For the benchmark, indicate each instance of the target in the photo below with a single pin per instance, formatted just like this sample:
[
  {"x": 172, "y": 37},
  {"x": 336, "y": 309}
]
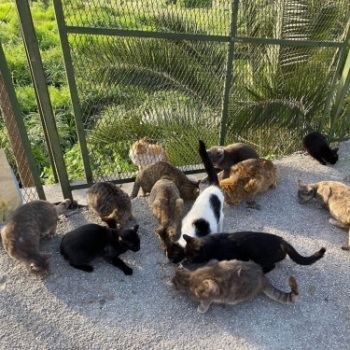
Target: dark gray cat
[
  {"x": 229, "y": 282},
  {"x": 224, "y": 157}
]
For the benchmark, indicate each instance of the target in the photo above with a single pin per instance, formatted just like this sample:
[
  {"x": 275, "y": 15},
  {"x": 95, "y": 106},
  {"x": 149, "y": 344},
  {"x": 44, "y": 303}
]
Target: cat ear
[
  {"x": 210, "y": 285},
  {"x": 180, "y": 267},
  {"x": 171, "y": 231},
  {"x": 158, "y": 231},
  {"x": 187, "y": 238},
  {"x": 144, "y": 138},
  {"x": 335, "y": 150},
  {"x": 300, "y": 183},
  {"x": 135, "y": 228},
  {"x": 170, "y": 283}
]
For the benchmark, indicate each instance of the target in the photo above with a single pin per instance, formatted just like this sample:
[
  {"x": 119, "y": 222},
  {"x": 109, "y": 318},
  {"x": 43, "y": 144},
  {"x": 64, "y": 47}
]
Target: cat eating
[
  {"x": 91, "y": 241},
  {"x": 110, "y": 203},
  {"x": 146, "y": 179},
  {"x": 265, "y": 249},
  {"x": 167, "y": 207},
  {"x": 247, "y": 178},
  {"x": 142, "y": 153},
  {"x": 332, "y": 195},
  {"x": 316, "y": 145},
  {"x": 26, "y": 227},
  {"x": 206, "y": 215},
  {"x": 229, "y": 282}
]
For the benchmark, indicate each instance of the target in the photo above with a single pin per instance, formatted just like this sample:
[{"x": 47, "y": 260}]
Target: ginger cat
[
  {"x": 143, "y": 153},
  {"x": 167, "y": 206},
  {"x": 247, "y": 178},
  {"x": 229, "y": 282},
  {"x": 332, "y": 195}
]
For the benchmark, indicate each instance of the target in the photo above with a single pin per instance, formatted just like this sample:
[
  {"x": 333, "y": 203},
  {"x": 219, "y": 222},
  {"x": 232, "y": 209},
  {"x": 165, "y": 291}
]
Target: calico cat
[
  {"x": 229, "y": 282},
  {"x": 146, "y": 178},
  {"x": 110, "y": 203},
  {"x": 224, "y": 157},
  {"x": 28, "y": 224},
  {"x": 206, "y": 215},
  {"x": 265, "y": 249},
  {"x": 316, "y": 145},
  {"x": 88, "y": 242},
  {"x": 167, "y": 206},
  {"x": 332, "y": 195},
  {"x": 142, "y": 153},
  {"x": 247, "y": 178}
]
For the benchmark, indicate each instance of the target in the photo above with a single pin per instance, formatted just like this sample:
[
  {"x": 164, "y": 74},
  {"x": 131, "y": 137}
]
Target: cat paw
[
  {"x": 128, "y": 271},
  {"x": 346, "y": 247}
]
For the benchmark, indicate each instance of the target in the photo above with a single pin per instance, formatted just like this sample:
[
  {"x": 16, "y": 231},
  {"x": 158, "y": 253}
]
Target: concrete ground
[{"x": 73, "y": 309}]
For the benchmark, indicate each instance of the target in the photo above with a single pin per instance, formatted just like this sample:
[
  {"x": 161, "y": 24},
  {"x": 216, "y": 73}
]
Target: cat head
[
  {"x": 181, "y": 279},
  {"x": 193, "y": 251},
  {"x": 333, "y": 156},
  {"x": 191, "y": 189},
  {"x": 129, "y": 239},
  {"x": 175, "y": 252},
  {"x": 166, "y": 235},
  {"x": 40, "y": 266},
  {"x": 140, "y": 145},
  {"x": 216, "y": 154},
  {"x": 305, "y": 192}
]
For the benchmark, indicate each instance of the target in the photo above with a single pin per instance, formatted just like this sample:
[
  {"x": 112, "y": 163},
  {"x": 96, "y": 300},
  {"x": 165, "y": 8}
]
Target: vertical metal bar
[
  {"x": 39, "y": 81},
  {"x": 227, "y": 85},
  {"x": 6, "y": 75},
  {"x": 342, "y": 53},
  {"x": 73, "y": 89}
]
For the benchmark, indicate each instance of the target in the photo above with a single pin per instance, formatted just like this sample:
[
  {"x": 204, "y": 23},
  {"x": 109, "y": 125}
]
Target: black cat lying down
[
  {"x": 88, "y": 242},
  {"x": 265, "y": 249}
]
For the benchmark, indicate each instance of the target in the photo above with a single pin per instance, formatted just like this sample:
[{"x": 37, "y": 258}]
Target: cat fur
[
  {"x": 205, "y": 216},
  {"x": 247, "y": 178},
  {"x": 88, "y": 242},
  {"x": 229, "y": 282},
  {"x": 143, "y": 153},
  {"x": 147, "y": 177},
  {"x": 333, "y": 195},
  {"x": 224, "y": 157},
  {"x": 30, "y": 223},
  {"x": 167, "y": 207},
  {"x": 265, "y": 249},
  {"x": 316, "y": 145},
  {"x": 110, "y": 203}
]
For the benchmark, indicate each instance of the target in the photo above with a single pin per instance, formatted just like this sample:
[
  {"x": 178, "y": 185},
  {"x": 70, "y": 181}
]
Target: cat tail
[
  {"x": 209, "y": 167},
  {"x": 280, "y": 296},
  {"x": 299, "y": 259}
]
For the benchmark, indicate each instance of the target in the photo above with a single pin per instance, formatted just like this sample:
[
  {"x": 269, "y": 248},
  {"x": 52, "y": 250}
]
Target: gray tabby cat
[
  {"x": 27, "y": 225},
  {"x": 229, "y": 282},
  {"x": 110, "y": 203},
  {"x": 332, "y": 195}
]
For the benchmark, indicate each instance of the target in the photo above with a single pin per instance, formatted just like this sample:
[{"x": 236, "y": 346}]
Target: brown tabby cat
[
  {"x": 332, "y": 195},
  {"x": 248, "y": 178},
  {"x": 27, "y": 225},
  {"x": 143, "y": 153},
  {"x": 167, "y": 207},
  {"x": 110, "y": 203},
  {"x": 229, "y": 282},
  {"x": 146, "y": 178}
]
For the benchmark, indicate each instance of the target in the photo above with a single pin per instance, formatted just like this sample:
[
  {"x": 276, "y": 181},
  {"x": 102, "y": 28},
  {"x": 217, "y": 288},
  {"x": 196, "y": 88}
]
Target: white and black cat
[
  {"x": 316, "y": 145},
  {"x": 88, "y": 242},
  {"x": 266, "y": 249},
  {"x": 206, "y": 215}
]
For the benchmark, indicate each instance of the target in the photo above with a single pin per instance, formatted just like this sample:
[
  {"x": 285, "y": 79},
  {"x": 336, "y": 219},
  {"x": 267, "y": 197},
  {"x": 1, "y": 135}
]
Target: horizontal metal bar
[{"x": 198, "y": 37}]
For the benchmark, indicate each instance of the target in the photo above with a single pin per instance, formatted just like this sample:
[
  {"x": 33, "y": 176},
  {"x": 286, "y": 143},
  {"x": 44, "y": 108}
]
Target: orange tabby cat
[
  {"x": 143, "y": 153},
  {"x": 248, "y": 178}
]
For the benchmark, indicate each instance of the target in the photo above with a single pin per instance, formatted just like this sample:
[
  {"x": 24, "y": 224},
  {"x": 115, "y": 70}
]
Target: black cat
[
  {"x": 265, "y": 249},
  {"x": 88, "y": 242},
  {"x": 316, "y": 145}
]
